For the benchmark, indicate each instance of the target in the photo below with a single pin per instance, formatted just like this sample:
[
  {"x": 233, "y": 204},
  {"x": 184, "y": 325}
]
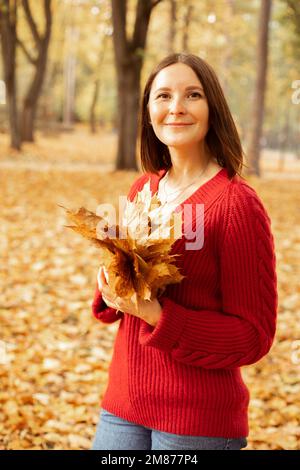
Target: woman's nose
[{"x": 177, "y": 106}]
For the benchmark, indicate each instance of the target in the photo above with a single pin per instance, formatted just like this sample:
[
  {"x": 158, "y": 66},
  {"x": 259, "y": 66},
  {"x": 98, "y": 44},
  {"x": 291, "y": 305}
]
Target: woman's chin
[{"x": 179, "y": 143}]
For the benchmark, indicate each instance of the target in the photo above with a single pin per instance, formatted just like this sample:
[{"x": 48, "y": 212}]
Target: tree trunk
[
  {"x": 186, "y": 29},
  {"x": 172, "y": 26},
  {"x": 129, "y": 94},
  {"x": 72, "y": 36},
  {"x": 32, "y": 97},
  {"x": 15, "y": 135},
  {"x": 40, "y": 63},
  {"x": 97, "y": 85},
  {"x": 8, "y": 23},
  {"x": 284, "y": 141},
  {"x": 260, "y": 88},
  {"x": 227, "y": 51},
  {"x": 93, "y": 106},
  {"x": 129, "y": 55}
]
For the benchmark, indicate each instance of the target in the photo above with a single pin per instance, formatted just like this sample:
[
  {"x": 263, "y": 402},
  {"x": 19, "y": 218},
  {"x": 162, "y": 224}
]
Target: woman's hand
[{"x": 149, "y": 310}]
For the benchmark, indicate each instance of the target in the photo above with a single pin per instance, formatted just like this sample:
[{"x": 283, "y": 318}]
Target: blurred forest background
[{"x": 71, "y": 77}]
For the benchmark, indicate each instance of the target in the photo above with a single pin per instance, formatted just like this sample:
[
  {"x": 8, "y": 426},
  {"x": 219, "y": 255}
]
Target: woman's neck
[{"x": 179, "y": 174}]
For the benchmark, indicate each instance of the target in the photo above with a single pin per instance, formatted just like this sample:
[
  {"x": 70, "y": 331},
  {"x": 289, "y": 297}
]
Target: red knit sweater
[{"x": 183, "y": 375}]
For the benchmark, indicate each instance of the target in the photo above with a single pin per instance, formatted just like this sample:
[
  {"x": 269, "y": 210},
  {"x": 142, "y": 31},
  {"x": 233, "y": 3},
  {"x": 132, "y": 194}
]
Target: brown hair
[{"x": 222, "y": 137}]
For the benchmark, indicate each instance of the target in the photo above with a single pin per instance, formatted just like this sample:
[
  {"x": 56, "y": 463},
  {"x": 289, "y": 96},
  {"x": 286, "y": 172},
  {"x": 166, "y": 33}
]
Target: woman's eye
[
  {"x": 162, "y": 95},
  {"x": 165, "y": 95}
]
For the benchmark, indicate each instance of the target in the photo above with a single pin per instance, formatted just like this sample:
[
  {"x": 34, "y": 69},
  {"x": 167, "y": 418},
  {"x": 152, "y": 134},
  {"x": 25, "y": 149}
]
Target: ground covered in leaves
[{"x": 55, "y": 355}]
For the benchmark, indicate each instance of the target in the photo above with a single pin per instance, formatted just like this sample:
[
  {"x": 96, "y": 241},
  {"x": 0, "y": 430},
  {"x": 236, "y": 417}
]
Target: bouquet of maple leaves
[{"x": 136, "y": 254}]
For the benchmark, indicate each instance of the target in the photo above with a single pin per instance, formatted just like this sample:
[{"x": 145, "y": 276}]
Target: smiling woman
[
  {"x": 175, "y": 380},
  {"x": 180, "y": 116},
  {"x": 183, "y": 90}
]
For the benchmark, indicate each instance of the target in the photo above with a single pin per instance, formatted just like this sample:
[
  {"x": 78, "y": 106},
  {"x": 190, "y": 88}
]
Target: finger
[
  {"x": 106, "y": 292},
  {"x": 99, "y": 279},
  {"x": 107, "y": 295},
  {"x": 108, "y": 302},
  {"x": 105, "y": 274},
  {"x": 120, "y": 302}
]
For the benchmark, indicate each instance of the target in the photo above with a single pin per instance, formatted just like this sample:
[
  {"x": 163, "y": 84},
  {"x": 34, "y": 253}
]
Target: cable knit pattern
[{"x": 183, "y": 375}]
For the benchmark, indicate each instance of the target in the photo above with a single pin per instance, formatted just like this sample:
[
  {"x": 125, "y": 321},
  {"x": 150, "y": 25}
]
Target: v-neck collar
[{"x": 206, "y": 193}]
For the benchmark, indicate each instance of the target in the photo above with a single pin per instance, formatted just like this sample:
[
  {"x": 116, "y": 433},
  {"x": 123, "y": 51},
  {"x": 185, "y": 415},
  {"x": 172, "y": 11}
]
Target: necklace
[{"x": 183, "y": 189}]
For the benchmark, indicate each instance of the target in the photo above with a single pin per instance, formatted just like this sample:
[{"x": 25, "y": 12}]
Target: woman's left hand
[{"x": 149, "y": 310}]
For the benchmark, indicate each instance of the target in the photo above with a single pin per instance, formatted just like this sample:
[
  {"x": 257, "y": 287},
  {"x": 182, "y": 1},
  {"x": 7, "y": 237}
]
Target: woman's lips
[{"x": 179, "y": 124}]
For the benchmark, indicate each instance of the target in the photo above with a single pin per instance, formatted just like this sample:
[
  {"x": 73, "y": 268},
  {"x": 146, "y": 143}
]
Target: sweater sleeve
[
  {"x": 243, "y": 331},
  {"x": 99, "y": 308},
  {"x": 101, "y": 311}
]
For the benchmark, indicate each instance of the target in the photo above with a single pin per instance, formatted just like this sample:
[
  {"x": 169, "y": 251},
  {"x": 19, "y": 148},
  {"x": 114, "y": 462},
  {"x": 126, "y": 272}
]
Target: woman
[{"x": 175, "y": 379}]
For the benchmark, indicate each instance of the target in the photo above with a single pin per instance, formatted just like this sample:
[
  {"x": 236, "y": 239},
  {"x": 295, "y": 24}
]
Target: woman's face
[{"x": 177, "y": 96}]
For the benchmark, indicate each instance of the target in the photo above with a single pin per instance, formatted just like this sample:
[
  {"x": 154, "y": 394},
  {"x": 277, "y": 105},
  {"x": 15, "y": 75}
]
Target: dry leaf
[{"x": 137, "y": 260}]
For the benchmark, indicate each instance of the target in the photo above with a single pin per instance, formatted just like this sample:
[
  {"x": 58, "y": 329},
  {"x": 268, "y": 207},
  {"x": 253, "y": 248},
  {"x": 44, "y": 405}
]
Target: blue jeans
[{"x": 114, "y": 433}]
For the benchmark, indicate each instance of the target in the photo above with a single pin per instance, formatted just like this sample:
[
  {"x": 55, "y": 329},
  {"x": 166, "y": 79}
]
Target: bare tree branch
[
  {"x": 48, "y": 16},
  {"x": 40, "y": 50},
  {"x": 154, "y": 3},
  {"x": 31, "y": 59},
  {"x": 31, "y": 22},
  {"x": 143, "y": 12}
]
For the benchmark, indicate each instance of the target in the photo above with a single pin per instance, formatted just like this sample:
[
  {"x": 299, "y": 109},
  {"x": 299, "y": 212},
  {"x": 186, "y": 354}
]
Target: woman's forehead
[{"x": 176, "y": 76}]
